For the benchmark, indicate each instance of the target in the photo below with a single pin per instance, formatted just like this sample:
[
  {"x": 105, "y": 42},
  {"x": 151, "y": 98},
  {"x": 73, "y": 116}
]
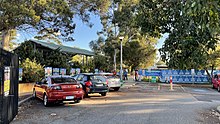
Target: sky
[{"x": 83, "y": 34}]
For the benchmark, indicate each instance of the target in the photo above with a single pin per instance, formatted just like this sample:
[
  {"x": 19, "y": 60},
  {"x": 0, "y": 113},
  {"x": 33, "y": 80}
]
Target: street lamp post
[{"x": 121, "y": 38}]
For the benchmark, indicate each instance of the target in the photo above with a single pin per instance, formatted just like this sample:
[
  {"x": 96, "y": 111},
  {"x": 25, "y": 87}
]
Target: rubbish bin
[{"x": 154, "y": 79}]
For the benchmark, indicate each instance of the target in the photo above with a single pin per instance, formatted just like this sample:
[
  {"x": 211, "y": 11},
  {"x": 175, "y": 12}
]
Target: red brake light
[
  {"x": 107, "y": 82},
  {"x": 88, "y": 83}
]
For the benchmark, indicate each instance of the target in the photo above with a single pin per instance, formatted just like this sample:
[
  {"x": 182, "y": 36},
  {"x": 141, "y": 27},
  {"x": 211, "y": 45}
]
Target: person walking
[
  {"x": 125, "y": 74},
  {"x": 136, "y": 75}
]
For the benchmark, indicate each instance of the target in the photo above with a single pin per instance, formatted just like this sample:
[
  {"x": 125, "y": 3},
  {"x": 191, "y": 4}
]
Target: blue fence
[{"x": 178, "y": 76}]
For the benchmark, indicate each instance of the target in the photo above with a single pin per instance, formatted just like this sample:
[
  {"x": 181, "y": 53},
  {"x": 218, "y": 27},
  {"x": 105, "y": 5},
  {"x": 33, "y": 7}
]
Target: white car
[{"x": 113, "y": 81}]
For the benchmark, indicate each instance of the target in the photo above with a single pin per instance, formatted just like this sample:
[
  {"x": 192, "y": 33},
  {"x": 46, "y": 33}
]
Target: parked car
[
  {"x": 92, "y": 84},
  {"x": 113, "y": 81},
  {"x": 58, "y": 89},
  {"x": 216, "y": 82}
]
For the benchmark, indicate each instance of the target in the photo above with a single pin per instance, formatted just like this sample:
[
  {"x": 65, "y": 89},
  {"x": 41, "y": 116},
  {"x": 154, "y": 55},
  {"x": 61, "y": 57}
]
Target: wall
[{"x": 25, "y": 88}]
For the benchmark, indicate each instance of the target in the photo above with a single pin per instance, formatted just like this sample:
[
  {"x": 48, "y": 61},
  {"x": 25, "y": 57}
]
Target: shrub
[{"x": 32, "y": 71}]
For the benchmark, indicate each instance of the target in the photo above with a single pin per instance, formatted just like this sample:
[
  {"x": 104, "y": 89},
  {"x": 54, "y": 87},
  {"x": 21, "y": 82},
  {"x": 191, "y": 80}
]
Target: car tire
[
  {"x": 116, "y": 88},
  {"x": 213, "y": 87},
  {"x": 103, "y": 94},
  {"x": 77, "y": 101},
  {"x": 218, "y": 88},
  {"x": 34, "y": 94},
  {"x": 45, "y": 101}
]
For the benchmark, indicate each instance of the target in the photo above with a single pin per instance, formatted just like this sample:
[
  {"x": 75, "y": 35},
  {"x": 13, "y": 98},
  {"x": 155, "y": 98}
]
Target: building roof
[{"x": 66, "y": 49}]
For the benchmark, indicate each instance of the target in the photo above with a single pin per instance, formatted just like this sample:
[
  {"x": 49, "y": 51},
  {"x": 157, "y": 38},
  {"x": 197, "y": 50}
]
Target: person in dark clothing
[
  {"x": 125, "y": 75},
  {"x": 136, "y": 75}
]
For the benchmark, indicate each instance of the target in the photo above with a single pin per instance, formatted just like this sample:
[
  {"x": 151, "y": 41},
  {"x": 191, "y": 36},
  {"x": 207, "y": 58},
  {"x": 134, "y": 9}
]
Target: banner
[
  {"x": 62, "y": 71},
  {"x": 56, "y": 71}
]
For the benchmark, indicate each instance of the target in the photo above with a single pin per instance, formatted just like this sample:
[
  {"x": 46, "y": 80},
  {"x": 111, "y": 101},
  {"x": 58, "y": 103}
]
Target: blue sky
[{"x": 83, "y": 34}]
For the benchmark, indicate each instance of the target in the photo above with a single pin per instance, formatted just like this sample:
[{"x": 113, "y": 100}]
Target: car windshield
[
  {"x": 101, "y": 78},
  {"x": 63, "y": 80}
]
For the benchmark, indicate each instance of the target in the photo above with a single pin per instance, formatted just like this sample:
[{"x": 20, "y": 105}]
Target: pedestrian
[
  {"x": 114, "y": 73},
  {"x": 136, "y": 75},
  {"x": 125, "y": 75}
]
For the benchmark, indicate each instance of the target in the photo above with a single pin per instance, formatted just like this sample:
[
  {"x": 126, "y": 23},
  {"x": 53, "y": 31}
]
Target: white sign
[{"x": 193, "y": 71}]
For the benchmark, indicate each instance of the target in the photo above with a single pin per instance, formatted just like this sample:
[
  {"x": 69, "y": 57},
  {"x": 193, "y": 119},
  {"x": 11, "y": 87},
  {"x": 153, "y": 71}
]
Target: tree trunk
[
  {"x": 210, "y": 75},
  {"x": 5, "y": 40}
]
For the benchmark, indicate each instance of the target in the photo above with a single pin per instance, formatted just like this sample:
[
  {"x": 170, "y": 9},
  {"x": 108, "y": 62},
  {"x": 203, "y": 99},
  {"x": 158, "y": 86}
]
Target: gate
[{"x": 8, "y": 86}]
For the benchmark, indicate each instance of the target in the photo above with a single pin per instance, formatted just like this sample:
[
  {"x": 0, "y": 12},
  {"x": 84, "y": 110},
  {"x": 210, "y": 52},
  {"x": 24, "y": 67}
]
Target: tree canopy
[{"x": 51, "y": 18}]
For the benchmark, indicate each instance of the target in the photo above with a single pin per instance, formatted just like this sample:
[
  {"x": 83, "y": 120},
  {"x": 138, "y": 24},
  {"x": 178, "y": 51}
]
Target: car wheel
[
  {"x": 34, "y": 94},
  {"x": 116, "y": 88},
  {"x": 218, "y": 88},
  {"x": 213, "y": 87},
  {"x": 46, "y": 103},
  {"x": 77, "y": 101},
  {"x": 103, "y": 94}
]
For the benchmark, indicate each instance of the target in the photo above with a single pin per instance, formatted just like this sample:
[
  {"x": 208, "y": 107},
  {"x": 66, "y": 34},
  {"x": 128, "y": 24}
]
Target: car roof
[
  {"x": 61, "y": 76},
  {"x": 87, "y": 73},
  {"x": 104, "y": 73}
]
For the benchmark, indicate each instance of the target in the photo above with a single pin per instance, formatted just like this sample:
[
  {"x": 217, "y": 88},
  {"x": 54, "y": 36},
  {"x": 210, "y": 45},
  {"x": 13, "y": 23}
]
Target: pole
[
  {"x": 121, "y": 61},
  {"x": 115, "y": 60},
  {"x": 171, "y": 83}
]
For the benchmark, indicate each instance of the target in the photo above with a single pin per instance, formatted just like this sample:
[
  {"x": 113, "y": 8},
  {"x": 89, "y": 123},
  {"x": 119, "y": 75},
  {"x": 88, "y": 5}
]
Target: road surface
[{"x": 134, "y": 104}]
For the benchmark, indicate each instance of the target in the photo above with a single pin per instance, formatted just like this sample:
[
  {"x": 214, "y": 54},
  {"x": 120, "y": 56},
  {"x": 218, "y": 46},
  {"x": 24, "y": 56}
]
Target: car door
[
  {"x": 42, "y": 88},
  {"x": 215, "y": 81}
]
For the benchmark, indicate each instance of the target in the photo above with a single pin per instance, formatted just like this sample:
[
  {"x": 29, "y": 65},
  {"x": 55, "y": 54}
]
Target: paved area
[{"x": 142, "y": 103}]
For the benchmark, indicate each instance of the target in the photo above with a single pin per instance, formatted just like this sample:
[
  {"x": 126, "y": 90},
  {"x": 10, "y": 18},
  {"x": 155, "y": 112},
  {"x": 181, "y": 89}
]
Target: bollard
[
  {"x": 158, "y": 88},
  {"x": 171, "y": 83}
]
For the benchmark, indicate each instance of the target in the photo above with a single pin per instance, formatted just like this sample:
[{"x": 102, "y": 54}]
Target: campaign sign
[
  {"x": 181, "y": 72},
  {"x": 188, "y": 72},
  {"x": 140, "y": 72},
  {"x": 180, "y": 79},
  {"x": 48, "y": 71},
  {"x": 200, "y": 72},
  {"x": 72, "y": 71},
  {"x": 62, "y": 71},
  {"x": 56, "y": 71},
  {"x": 174, "y": 79},
  {"x": 164, "y": 72},
  {"x": 20, "y": 74},
  {"x": 78, "y": 71},
  {"x": 143, "y": 72},
  {"x": 175, "y": 72},
  {"x": 170, "y": 72}
]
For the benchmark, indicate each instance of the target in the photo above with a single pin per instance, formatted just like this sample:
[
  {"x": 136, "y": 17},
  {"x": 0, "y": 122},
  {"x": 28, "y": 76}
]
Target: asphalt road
[{"x": 139, "y": 104}]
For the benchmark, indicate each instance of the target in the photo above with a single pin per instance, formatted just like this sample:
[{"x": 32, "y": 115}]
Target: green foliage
[
  {"x": 32, "y": 71},
  {"x": 55, "y": 58},
  {"x": 51, "y": 18},
  {"x": 27, "y": 50},
  {"x": 193, "y": 27}
]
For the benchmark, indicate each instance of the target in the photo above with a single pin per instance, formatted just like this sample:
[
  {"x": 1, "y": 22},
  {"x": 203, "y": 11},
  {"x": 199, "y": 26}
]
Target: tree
[
  {"x": 26, "y": 50},
  {"x": 53, "y": 18},
  {"x": 32, "y": 71},
  {"x": 115, "y": 24},
  {"x": 192, "y": 26}
]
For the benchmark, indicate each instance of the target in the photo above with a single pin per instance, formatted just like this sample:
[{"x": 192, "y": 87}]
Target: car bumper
[
  {"x": 65, "y": 96},
  {"x": 99, "y": 90}
]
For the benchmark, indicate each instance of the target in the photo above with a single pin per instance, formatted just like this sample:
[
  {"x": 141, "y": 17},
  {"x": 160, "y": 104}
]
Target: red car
[
  {"x": 58, "y": 89},
  {"x": 216, "y": 82}
]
